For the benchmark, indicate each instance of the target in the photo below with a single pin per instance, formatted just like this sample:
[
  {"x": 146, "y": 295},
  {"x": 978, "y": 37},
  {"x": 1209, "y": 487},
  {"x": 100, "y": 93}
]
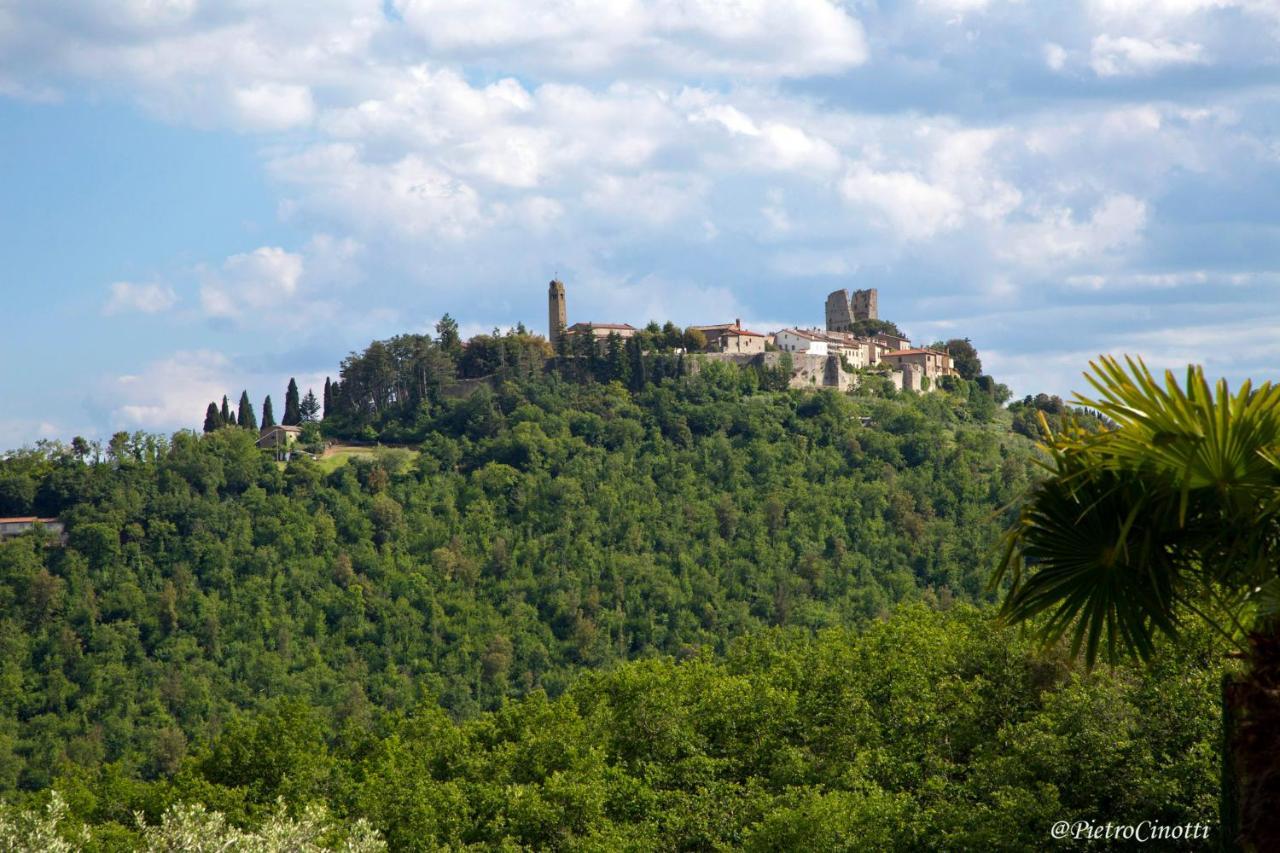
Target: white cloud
[
  {"x": 172, "y": 392},
  {"x": 1164, "y": 12},
  {"x": 761, "y": 38},
  {"x": 409, "y": 196},
  {"x": 956, "y": 7},
  {"x": 167, "y": 394},
  {"x": 143, "y": 298},
  {"x": 1113, "y": 56},
  {"x": 964, "y": 163},
  {"x": 652, "y": 199},
  {"x": 1055, "y": 56},
  {"x": 251, "y": 283},
  {"x": 675, "y": 142},
  {"x": 1056, "y": 236},
  {"x": 273, "y": 106},
  {"x": 912, "y": 207},
  {"x": 22, "y": 432},
  {"x": 1198, "y": 278},
  {"x": 811, "y": 263}
]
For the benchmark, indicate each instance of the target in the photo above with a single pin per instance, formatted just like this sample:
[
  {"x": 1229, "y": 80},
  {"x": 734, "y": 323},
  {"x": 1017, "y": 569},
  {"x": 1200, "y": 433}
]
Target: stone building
[
  {"x": 601, "y": 331},
  {"x": 844, "y": 310},
  {"x": 278, "y": 436},
  {"x": 279, "y": 439},
  {"x": 731, "y": 337},
  {"x": 930, "y": 363},
  {"x": 890, "y": 341},
  {"x": 557, "y": 313}
]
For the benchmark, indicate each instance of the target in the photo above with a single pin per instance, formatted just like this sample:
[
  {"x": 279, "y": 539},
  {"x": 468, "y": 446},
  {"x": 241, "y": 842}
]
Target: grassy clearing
[{"x": 340, "y": 454}]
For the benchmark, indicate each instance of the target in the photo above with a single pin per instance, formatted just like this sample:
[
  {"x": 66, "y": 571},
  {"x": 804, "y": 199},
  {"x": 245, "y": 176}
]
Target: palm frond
[{"x": 1134, "y": 525}]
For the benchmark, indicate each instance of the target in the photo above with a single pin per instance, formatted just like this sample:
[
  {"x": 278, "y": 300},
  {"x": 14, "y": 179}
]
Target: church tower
[{"x": 557, "y": 315}]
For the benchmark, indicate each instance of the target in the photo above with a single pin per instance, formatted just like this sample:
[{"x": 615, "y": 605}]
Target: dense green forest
[
  {"x": 926, "y": 731},
  {"x": 437, "y": 636}
]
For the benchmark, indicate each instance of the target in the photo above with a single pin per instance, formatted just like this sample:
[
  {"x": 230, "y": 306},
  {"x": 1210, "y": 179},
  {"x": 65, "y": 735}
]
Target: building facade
[
  {"x": 11, "y": 527},
  {"x": 602, "y": 331},
  {"x": 856, "y": 352},
  {"x": 731, "y": 337},
  {"x": 931, "y": 363},
  {"x": 802, "y": 341}
]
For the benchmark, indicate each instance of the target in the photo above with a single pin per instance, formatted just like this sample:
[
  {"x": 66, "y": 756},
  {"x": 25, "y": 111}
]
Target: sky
[{"x": 198, "y": 198}]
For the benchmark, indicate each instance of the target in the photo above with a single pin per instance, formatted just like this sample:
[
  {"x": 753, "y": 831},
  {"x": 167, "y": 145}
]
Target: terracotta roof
[
  {"x": 733, "y": 331},
  {"x": 590, "y": 325},
  {"x": 893, "y": 352},
  {"x": 28, "y": 519},
  {"x": 803, "y": 333},
  {"x": 851, "y": 341}
]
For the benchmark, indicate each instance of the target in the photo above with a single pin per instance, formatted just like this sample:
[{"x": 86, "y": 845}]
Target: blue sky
[{"x": 201, "y": 197}]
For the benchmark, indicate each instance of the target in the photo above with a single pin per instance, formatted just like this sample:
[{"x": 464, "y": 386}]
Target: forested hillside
[
  {"x": 541, "y": 530},
  {"x": 928, "y": 731}
]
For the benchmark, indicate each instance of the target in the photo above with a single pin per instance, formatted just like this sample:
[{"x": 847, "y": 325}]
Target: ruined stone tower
[
  {"x": 865, "y": 305},
  {"x": 557, "y": 314},
  {"x": 843, "y": 311}
]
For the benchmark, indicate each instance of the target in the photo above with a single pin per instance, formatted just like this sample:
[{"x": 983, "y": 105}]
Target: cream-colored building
[
  {"x": 931, "y": 363},
  {"x": 854, "y": 350},
  {"x": 11, "y": 527},
  {"x": 802, "y": 341},
  {"x": 602, "y": 331},
  {"x": 278, "y": 436},
  {"x": 858, "y": 352}
]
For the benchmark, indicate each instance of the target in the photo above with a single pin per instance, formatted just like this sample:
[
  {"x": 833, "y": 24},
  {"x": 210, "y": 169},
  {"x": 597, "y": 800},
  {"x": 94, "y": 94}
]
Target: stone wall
[{"x": 807, "y": 371}]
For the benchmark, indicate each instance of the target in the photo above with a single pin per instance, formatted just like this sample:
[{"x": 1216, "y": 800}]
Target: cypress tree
[
  {"x": 292, "y": 414},
  {"x": 268, "y": 415},
  {"x": 639, "y": 375},
  {"x": 619, "y": 367},
  {"x": 328, "y": 398},
  {"x": 247, "y": 419},
  {"x": 212, "y": 418},
  {"x": 225, "y": 414}
]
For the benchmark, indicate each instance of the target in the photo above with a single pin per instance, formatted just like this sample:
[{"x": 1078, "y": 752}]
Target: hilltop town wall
[{"x": 807, "y": 371}]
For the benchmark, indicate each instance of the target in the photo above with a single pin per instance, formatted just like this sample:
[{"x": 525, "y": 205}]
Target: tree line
[{"x": 297, "y": 410}]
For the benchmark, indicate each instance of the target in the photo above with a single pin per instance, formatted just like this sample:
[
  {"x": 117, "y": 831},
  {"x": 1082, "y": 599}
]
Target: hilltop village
[
  {"x": 392, "y": 379},
  {"x": 854, "y": 339}
]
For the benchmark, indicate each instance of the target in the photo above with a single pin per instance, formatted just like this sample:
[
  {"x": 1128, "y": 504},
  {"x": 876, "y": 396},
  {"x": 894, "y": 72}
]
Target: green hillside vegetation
[
  {"x": 437, "y": 638},
  {"x": 928, "y": 731}
]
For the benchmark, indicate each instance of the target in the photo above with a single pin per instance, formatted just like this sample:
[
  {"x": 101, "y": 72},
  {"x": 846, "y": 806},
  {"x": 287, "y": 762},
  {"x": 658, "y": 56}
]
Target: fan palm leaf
[{"x": 1175, "y": 510}]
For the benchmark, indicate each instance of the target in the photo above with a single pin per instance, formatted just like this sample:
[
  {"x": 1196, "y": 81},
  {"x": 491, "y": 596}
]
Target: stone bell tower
[{"x": 557, "y": 315}]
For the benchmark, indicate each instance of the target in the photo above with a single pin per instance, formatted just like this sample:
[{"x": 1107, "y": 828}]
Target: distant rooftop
[
  {"x": 591, "y": 325},
  {"x": 916, "y": 351}
]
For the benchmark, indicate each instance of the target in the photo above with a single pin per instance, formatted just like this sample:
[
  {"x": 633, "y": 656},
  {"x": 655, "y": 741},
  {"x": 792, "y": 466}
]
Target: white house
[{"x": 809, "y": 342}]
